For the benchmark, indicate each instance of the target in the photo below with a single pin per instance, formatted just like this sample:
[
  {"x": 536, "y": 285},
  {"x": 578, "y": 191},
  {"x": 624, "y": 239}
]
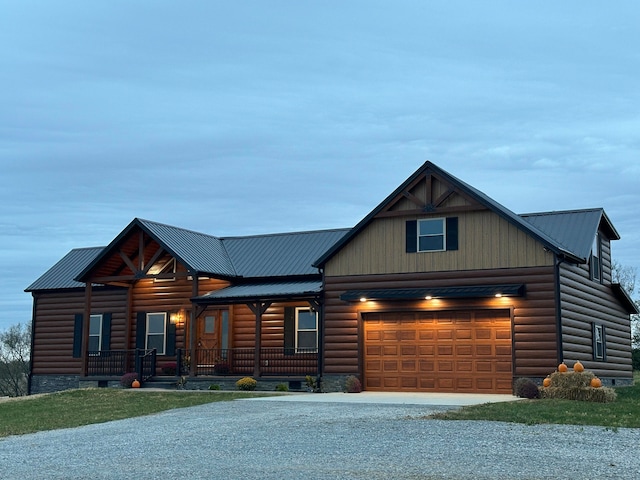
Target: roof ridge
[
  {"x": 282, "y": 234},
  {"x": 195, "y": 232}
]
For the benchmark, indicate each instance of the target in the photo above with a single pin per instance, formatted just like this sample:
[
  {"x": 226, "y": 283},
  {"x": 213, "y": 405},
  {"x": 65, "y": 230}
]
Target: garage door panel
[{"x": 439, "y": 351}]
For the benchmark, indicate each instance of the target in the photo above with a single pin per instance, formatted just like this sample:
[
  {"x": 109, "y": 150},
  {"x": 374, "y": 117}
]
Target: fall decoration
[
  {"x": 596, "y": 382},
  {"x": 135, "y": 383},
  {"x": 546, "y": 382},
  {"x": 578, "y": 367},
  {"x": 562, "y": 368}
]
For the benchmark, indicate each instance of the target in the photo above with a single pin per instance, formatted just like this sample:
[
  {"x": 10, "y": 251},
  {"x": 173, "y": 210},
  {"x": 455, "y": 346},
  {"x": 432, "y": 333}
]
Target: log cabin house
[{"x": 439, "y": 288}]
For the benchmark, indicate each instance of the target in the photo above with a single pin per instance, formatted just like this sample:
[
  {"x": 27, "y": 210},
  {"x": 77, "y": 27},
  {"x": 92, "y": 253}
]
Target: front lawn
[
  {"x": 73, "y": 408},
  {"x": 624, "y": 412}
]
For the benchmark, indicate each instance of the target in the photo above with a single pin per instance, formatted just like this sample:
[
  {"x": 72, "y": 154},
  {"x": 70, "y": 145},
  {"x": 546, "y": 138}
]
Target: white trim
[
  {"x": 99, "y": 335},
  {"x": 444, "y": 234},
  {"x": 155, "y": 334},
  {"x": 298, "y": 329}
]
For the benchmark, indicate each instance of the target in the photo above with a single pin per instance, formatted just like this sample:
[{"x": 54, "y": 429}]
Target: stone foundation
[
  {"x": 333, "y": 383},
  {"x": 53, "y": 383}
]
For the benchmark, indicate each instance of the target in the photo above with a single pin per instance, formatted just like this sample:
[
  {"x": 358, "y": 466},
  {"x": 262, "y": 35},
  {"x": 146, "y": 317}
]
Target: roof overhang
[
  {"x": 622, "y": 295},
  {"x": 474, "y": 291},
  {"x": 264, "y": 292}
]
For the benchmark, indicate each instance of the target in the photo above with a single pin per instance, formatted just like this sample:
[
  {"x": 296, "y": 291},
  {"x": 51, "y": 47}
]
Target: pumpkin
[
  {"x": 135, "y": 384},
  {"x": 546, "y": 382},
  {"x": 596, "y": 382},
  {"x": 578, "y": 367},
  {"x": 563, "y": 367}
]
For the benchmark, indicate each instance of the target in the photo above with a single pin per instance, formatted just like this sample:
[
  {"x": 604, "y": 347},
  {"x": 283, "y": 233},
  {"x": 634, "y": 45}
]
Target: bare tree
[
  {"x": 626, "y": 276},
  {"x": 15, "y": 346}
]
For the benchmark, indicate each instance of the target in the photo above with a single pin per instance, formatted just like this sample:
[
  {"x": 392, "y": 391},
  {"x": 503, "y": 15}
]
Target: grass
[
  {"x": 74, "y": 408},
  {"x": 623, "y": 413}
]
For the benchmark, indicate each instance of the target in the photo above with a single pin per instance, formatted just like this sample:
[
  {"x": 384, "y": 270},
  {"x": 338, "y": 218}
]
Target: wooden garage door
[{"x": 452, "y": 351}]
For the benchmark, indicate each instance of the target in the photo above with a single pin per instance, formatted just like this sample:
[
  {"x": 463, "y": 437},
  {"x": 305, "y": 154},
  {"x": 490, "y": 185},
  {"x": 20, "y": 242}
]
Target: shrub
[
  {"x": 526, "y": 388},
  {"x": 577, "y": 386},
  {"x": 282, "y": 387},
  {"x": 169, "y": 368},
  {"x": 127, "y": 379},
  {"x": 246, "y": 383},
  {"x": 312, "y": 384},
  {"x": 352, "y": 385},
  {"x": 636, "y": 358},
  {"x": 214, "y": 386}
]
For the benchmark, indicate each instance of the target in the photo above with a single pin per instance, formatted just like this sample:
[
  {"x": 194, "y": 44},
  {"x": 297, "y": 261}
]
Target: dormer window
[
  {"x": 595, "y": 263},
  {"x": 165, "y": 272}
]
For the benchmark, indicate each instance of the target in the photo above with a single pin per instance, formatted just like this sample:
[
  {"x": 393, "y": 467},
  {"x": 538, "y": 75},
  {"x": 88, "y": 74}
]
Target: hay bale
[{"x": 576, "y": 386}]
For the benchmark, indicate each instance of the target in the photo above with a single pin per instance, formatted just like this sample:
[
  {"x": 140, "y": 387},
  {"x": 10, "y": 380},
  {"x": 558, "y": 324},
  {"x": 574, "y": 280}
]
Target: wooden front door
[{"x": 213, "y": 330}]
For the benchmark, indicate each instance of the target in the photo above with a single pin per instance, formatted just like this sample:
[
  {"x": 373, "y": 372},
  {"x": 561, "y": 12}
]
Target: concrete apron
[{"x": 392, "y": 398}]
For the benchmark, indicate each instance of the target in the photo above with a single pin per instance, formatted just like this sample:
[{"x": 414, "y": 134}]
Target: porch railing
[
  {"x": 241, "y": 361},
  {"x": 109, "y": 363}
]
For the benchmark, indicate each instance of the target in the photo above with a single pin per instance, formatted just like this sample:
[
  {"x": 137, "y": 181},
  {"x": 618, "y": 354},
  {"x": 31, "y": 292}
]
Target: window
[
  {"x": 156, "y": 328},
  {"x": 163, "y": 269},
  {"x": 596, "y": 260},
  {"x": 432, "y": 235},
  {"x": 306, "y": 330},
  {"x": 599, "y": 345},
  {"x": 95, "y": 333}
]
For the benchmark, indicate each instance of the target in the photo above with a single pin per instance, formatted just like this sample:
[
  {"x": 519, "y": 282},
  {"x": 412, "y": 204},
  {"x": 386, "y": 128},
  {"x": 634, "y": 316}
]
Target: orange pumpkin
[
  {"x": 578, "y": 367},
  {"x": 546, "y": 382},
  {"x": 596, "y": 382},
  {"x": 135, "y": 384},
  {"x": 563, "y": 367}
]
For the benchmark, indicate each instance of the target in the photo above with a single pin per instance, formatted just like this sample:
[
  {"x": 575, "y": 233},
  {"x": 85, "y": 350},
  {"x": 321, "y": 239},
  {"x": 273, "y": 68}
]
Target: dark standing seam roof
[
  {"x": 197, "y": 251},
  {"x": 63, "y": 273},
  {"x": 280, "y": 254},
  {"x": 263, "y": 291},
  {"x": 575, "y": 228},
  {"x": 497, "y": 208}
]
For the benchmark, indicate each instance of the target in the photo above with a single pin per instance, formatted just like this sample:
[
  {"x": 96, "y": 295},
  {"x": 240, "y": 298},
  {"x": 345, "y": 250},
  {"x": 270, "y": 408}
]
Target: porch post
[
  {"x": 258, "y": 308},
  {"x": 85, "y": 327},
  {"x": 193, "y": 361}
]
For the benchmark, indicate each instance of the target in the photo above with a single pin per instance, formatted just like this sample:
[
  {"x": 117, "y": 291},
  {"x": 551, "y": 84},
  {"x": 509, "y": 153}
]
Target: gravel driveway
[{"x": 251, "y": 439}]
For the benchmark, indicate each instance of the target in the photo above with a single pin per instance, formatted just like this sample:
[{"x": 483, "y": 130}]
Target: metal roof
[
  {"x": 63, "y": 273},
  {"x": 280, "y": 254},
  {"x": 197, "y": 251},
  {"x": 473, "y": 291},
  {"x": 262, "y": 291},
  {"x": 575, "y": 229}
]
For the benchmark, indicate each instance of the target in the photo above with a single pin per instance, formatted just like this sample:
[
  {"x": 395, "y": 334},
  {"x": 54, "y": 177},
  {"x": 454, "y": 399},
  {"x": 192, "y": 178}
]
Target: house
[{"x": 439, "y": 288}]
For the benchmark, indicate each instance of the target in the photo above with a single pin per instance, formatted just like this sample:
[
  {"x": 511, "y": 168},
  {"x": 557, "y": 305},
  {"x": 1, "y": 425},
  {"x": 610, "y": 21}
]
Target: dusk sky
[{"x": 237, "y": 118}]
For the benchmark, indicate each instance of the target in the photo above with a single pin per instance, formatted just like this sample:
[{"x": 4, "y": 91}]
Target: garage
[{"x": 441, "y": 351}]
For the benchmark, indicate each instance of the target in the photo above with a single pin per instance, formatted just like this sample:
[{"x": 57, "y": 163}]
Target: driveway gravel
[{"x": 251, "y": 439}]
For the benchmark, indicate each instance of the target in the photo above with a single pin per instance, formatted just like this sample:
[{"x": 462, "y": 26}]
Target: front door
[{"x": 213, "y": 341}]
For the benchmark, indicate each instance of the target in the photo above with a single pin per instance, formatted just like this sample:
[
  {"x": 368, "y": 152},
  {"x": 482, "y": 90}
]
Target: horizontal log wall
[
  {"x": 54, "y": 323},
  {"x": 584, "y": 302},
  {"x": 486, "y": 241},
  {"x": 534, "y": 316}
]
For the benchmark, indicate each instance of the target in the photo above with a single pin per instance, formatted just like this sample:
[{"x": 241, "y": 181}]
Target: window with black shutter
[{"x": 432, "y": 235}]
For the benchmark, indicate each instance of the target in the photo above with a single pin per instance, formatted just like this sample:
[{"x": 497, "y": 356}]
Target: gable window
[
  {"x": 432, "y": 235},
  {"x": 166, "y": 271},
  {"x": 156, "y": 327},
  {"x": 596, "y": 260},
  {"x": 599, "y": 344},
  {"x": 306, "y": 330}
]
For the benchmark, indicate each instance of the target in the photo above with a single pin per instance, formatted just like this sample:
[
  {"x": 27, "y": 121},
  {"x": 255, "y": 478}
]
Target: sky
[{"x": 240, "y": 118}]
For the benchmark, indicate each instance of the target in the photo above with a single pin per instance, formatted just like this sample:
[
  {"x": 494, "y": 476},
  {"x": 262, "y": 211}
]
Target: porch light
[
  {"x": 177, "y": 318},
  {"x": 363, "y": 299},
  {"x": 428, "y": 297},
  {"x": 498, "y": 295}
]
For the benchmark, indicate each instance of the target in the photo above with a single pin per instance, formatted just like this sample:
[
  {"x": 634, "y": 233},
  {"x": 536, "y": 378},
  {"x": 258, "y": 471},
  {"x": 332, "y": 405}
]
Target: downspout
[
  {"x": 559, "y": 346},
  {"x": 33, "y": 335}
]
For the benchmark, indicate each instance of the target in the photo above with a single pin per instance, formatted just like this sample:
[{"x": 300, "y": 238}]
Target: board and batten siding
[
  {"x": 54, "y": 326},
  {"x": 485, "y": 241},
  {"x": 584, "y": 302},
  {"x": 533, "y": 316}
]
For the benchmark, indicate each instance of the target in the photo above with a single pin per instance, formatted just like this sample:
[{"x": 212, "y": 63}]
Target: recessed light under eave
[{"x": 399, "y": 294}]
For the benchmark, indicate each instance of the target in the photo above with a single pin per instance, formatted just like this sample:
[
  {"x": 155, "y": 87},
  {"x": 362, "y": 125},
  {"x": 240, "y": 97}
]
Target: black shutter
[
  {"x": 141, "y": 329},
  {"x": 289, "y": 330},
  {"x": 412, "y": 236},
  {"x": 77, "y": 336},
  {"x": 452, "y": 233},
  {"x": 106, "y": 332},
  {"x": 604, "y": 343},
  {"x": 171, "y": 337}
]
